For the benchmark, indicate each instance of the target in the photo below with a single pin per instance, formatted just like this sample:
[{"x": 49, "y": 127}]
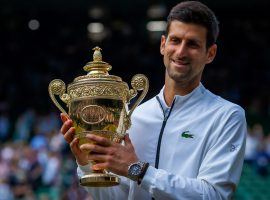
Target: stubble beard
[
  {"x": 183, "y": 80},
  {"x": 179, "y": 77}
]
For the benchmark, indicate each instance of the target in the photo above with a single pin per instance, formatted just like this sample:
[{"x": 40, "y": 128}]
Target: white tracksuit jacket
[{"x": 201, "y": 148}]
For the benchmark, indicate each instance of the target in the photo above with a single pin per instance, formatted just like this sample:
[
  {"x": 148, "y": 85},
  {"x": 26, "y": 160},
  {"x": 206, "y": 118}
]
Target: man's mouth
[{"x": 179, "y": 62}]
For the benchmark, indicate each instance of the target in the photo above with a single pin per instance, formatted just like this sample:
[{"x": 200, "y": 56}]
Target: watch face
[{"x": 135, "y": 169}]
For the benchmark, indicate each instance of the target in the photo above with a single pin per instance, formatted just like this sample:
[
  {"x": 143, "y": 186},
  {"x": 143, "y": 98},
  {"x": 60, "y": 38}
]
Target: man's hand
[
  {"x": 68, "y": 131},
  {"x": 110, "y": 155}
]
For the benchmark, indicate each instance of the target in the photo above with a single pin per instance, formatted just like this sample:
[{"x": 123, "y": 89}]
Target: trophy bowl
[{"x": 98, "y": 103}]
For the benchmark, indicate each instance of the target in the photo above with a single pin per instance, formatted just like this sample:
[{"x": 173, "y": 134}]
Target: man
[{"x": 189, "y": 142}]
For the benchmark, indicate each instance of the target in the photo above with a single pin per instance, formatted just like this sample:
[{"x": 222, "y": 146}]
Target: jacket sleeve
[
  {"x": 219, "y": 172},
  {"x": 119, "y": 192}
]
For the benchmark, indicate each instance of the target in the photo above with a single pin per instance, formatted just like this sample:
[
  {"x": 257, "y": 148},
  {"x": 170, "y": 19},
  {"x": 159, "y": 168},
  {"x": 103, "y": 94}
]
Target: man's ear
[
  {"x": 211, "y": 53},
  {"x": 162, "y": 44}
]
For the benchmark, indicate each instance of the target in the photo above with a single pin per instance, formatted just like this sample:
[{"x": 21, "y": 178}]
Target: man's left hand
[{"x": 110, "y": 155}]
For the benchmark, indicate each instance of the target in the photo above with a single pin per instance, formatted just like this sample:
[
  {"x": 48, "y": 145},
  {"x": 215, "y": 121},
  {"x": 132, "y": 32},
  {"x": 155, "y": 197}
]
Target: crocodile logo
[{"x": 186, "y": 134}]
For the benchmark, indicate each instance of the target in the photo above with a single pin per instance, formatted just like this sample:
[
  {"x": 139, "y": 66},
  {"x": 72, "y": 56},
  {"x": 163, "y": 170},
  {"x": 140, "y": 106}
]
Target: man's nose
[{"x": 181, "y": 49}]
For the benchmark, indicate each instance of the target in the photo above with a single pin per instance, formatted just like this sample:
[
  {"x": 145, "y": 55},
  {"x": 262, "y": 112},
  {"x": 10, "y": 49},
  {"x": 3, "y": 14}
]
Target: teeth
[{"x": 179, "y": 63}]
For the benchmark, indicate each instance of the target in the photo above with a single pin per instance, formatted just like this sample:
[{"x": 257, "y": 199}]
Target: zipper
[{"x": 162, "y": 129}]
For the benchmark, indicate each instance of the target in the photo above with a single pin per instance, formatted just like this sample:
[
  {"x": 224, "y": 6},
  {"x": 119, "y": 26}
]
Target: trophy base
[{"x": 99, "y": 180}]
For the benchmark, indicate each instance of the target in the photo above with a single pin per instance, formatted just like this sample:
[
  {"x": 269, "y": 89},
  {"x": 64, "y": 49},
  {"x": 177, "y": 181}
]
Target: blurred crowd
[
  {"x": 257, "y": 152},
  {"x": 35, "y": 161}
]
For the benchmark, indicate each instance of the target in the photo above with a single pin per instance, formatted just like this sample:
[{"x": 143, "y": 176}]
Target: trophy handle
[
  {"x": 138, "y": 82},
  {"x": 58, "y": 87}
]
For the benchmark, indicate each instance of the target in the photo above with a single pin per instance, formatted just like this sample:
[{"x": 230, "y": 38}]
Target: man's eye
[
  {"x": 175, "y": 40},
  {"x": 193, "y": 45}
]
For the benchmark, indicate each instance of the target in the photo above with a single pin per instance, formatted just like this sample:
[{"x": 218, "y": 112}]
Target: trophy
[{"x": 98, "y": 104}]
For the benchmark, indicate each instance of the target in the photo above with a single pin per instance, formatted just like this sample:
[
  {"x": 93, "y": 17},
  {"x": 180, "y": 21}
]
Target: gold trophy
[{"x": 98, "y": 104}]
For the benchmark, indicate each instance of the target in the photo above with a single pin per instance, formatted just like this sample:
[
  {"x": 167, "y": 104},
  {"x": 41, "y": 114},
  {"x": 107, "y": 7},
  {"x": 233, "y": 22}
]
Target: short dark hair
[{"x": 197, "y": 13}]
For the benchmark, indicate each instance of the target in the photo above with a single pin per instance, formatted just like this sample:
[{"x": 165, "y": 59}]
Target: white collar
[{"x": 195, "y": 94}]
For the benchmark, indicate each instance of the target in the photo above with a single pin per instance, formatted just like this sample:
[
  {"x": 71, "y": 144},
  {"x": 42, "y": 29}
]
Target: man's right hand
[{"x": 68, "y": 132}]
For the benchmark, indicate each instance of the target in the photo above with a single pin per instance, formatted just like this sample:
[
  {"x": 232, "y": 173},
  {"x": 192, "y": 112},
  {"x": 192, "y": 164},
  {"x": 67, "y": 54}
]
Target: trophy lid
[
  {"x": 97, "y": 83},
  {"x": 97, "y": 69}
]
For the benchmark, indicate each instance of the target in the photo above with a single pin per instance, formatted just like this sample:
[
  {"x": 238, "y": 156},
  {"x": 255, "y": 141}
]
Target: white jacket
[{"x": 201, "y": 149}]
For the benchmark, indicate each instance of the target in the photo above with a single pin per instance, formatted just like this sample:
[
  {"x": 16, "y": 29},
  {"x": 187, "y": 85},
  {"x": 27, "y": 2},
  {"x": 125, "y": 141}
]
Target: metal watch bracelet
[{"x": 145, "y": 167}]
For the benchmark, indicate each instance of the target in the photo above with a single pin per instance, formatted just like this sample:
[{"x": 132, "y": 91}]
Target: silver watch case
[{"x": 135, "y": 170}]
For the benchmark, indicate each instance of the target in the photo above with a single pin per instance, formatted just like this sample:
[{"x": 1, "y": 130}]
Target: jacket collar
[{"x": 190, "y": 98}]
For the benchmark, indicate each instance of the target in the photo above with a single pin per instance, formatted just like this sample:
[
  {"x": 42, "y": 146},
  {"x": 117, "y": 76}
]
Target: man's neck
[{"x": 172, "y": 88}]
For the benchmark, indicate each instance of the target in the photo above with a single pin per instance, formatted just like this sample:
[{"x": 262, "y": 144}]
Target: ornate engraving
[
  {"x": 100, "y": 77},
  {"x": 58, "y": 87},
  {"x": 92, "y": 114},
  {"x": 127, "y": 122},
  {"x": 99, "y": 90},
  {"x": 65, "y": 98},
  {"x": 138, "y": 82}
]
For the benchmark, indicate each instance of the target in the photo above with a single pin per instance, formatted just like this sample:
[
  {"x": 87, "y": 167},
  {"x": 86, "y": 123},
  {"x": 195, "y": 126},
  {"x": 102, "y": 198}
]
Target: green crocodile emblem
[{"x": 186, "y": 134}]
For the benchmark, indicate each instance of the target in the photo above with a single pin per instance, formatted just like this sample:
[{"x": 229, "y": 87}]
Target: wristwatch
[{"x": 137, "y": 170}]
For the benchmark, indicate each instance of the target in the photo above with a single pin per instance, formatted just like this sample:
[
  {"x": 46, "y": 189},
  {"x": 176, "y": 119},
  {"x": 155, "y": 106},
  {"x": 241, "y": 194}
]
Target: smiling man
[{"x": 179, "y": 144}]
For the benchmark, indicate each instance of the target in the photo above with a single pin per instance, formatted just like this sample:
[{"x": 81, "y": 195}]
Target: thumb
[
  {"x": 64, "y": 117},
  {"x": 127, "y": 140}
]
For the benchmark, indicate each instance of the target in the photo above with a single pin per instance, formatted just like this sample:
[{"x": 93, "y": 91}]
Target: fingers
[
  {"x": 100, "y": 166},
  {"x": 66, "y": 126},
  {"x": 98, "y": 157},
  {"x": 80, "y": 157},
  {"x": 127, "y": 140},
  {"x": 64, "y": 117},
  {"x": 69, "y": 135},
  {"x": 94, "y": 148},
  {"x": 99, "y": 140},
  {"x": 74, "y": 146},
  {"x": 67, "y": 130}
]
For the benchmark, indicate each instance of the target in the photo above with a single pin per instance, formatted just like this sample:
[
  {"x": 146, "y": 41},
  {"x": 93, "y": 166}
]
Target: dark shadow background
[
  {"x": 30, "y": 59},
  {"x": 61, "y": 46}
]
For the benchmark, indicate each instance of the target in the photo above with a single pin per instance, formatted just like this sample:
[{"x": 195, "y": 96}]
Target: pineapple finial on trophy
[
  {"x": 97, "y": 66},
  {"x": 97, "y": 56}
]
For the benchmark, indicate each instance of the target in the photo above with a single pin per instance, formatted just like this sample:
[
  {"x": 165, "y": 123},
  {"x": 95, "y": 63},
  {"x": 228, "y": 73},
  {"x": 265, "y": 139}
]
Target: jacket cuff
[
  {"x": 149, "y": 178},
  {"x": 85, "y": 168}
]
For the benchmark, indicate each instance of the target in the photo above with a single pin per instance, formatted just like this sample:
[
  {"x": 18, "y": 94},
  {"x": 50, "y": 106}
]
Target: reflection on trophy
[{"x": 98, "y": 104}]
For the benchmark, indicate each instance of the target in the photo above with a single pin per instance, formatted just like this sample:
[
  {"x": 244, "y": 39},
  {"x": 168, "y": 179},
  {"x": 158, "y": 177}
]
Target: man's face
[{"x": 184, "y": 52}]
